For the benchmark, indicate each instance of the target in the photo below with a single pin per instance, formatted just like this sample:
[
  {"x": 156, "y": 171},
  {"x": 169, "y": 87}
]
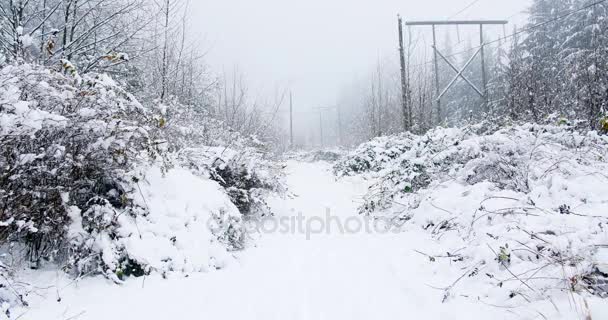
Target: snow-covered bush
[
  {"x": 89, "y": 181},
  {"x": 406, "y": 163},
  {"x": 239, "y": 163},
  {"x": 185, "y": 228},
  {"x": 373, "y": 156},
  {"x": 327, "y": 155},
  {"x": 522, "y": 210},
  {"x": 67, "y": 144},
  {"x": 247, "y": 175}
]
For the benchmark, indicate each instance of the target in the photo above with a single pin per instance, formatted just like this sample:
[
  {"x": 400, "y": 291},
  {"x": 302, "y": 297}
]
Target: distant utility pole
[
  {"x": 320, "y": 110},
  {"x": 290, "y": 120},
  {"x": 459, "y": 71},
  {"x": 321, "y": 125},
  {"x": 339, "y": 113}
]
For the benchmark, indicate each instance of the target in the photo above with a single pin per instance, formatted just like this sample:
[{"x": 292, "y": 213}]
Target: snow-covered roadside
[
  {"x": 520, "y": 213},
  {"x": 330, "y": 276}
]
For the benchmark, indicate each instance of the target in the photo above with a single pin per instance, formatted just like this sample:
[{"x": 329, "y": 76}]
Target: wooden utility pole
[
  {"x": 409, "y": 87},
  {"x": 404, "y": 84},
  {"x": 339, "y": 114},
  {"x": 321, "y": 126},
  {"x": 290, "y": 120}
]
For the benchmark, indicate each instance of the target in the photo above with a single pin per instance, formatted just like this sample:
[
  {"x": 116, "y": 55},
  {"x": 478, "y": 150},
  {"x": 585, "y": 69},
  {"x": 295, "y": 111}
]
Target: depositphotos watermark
[{"x": 328, "y": 224}]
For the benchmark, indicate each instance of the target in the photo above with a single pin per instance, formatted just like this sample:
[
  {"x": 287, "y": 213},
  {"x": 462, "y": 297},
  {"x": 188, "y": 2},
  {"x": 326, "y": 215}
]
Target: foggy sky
[{"x": 315, "y": 47}]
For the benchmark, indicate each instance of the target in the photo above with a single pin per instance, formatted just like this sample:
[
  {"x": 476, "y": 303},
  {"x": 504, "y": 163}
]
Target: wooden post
[
  {"x": 339, "y": 114},
  {"x": 406, "y": 125},
  {"x": 409, "y": 88},
  {"x": 290, "y": 120},
  {"x": 321, "y": 126}
]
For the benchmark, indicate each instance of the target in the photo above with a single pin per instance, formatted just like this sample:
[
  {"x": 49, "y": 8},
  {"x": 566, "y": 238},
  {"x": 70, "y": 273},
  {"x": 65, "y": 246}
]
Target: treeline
[{"x": 552, "y": 70}]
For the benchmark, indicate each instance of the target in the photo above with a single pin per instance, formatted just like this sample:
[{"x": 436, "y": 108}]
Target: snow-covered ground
[{"x": 335, "y": 275}]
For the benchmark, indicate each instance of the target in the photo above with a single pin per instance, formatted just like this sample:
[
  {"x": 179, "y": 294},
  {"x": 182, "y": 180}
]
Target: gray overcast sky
[{"x": 316, "y": 47}]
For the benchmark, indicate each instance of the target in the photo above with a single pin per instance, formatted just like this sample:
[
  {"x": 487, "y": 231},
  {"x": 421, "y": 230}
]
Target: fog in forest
[{"x": 323, "y": 50}]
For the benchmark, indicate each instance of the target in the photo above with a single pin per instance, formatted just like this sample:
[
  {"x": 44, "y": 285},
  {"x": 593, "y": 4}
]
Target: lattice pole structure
[{"x": 483, "y": 93}]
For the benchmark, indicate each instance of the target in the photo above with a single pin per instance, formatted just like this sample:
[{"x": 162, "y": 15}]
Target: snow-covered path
[{"x": 286, "y": 276}]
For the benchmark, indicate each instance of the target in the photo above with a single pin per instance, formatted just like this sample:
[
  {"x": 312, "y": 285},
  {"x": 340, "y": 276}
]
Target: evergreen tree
[
  {"x": 584, "y": 52},
  {"x": 542, "y": 46}
]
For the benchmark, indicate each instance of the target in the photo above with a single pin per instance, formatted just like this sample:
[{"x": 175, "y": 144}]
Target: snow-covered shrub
[
  {"x": 180, "y": 231},
  {"x": 327, "y": 155},
  {"x": 96, "y": 183},
  {"x": 66, "y": 145},
  {"x": 229, "y": 229},
  {"x": 521, "y": 212},
  {"x": 83, "y": 183},
  {"x": 12, "y": 292},
  {"x": 374, "y": 155},
  {"x": 247, "y": 175},
  {"x": 213, "y": 150},
  {"x": 405, "y": 164}
]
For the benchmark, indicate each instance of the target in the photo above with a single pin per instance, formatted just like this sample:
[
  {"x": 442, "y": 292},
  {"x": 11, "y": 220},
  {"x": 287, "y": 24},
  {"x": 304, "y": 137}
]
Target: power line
[
  {"x": 523, "y": 30},
  {"x": 515, "y": 14},
  {"x": 464, "y": 9},
  {"x": 550, "y": 21}
]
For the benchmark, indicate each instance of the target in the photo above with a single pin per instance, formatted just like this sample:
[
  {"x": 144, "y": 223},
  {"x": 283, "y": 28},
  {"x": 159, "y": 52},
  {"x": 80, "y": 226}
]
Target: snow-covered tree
[{"x": 584, "y": 55}]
